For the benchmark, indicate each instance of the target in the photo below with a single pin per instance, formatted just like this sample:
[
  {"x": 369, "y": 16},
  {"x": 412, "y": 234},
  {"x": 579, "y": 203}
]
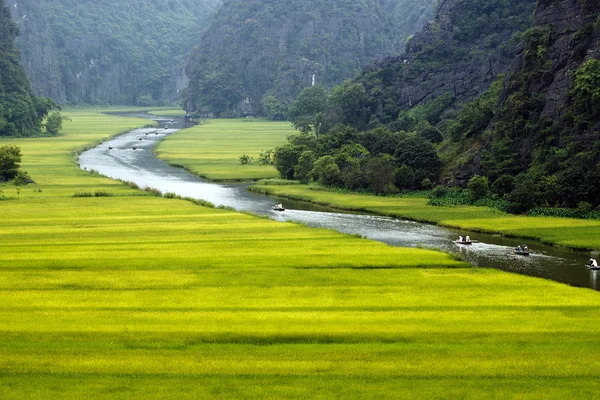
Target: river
[{"x": 491, "y": 251}]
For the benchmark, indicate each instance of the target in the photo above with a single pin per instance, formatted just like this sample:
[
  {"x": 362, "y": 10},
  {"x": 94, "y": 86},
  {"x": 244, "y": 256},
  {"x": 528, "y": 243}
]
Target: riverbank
[
  {"x": 212, "y": 150},
  {"x": 568, "y": 232}
]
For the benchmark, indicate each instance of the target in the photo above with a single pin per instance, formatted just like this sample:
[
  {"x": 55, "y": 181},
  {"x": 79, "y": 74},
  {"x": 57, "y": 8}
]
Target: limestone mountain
[
  {"x": 20, "y": 112},
  {"x": 109, "y": 51},
  {"x": 255, "y": 48}
]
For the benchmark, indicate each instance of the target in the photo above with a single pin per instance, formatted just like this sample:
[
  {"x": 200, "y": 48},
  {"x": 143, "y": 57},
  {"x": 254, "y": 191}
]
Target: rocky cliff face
[
  {"x": 546, "y": 129},
  {"x": 114, "y": 52},
  {"x": 460, "y": 53},
  {"x": 279, "y": 47},
  {"x": 39, "y": 56}
]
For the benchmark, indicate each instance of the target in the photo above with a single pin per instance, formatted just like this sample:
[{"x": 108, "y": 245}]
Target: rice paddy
[
  {"x": 133, "y": 296},
  {"x": 568, "y": 232},
  {"x": 212, "y": 150}
]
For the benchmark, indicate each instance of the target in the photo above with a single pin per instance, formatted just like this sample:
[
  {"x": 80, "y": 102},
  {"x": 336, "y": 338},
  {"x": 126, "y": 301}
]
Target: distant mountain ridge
[
  {"x": 273, "y": 47},
  {"x": 109, "y": 51}
]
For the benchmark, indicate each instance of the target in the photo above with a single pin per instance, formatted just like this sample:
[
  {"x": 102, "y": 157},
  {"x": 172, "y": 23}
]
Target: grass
[
  {"x": 568, "y": 232},
  {"x": 212, "y": 150},
  {"x": 135, "y": 296}
]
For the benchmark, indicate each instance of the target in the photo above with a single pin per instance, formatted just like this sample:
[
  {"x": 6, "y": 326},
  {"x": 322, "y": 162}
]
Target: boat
[
  {"x": 521, "y": 252},
  {"x": 463, "y": 242},
  {"x": 278, "y": 207},
  {"x": 592, "y": 268},
  {"x": 110, "y": 147}
]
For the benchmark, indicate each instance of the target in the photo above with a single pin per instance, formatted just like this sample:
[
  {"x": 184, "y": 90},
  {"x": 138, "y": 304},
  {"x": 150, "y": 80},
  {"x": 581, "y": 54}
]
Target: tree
[
  {"x": 54, "y": 123},
  {"x": 381, "y": 174},
  {"x": 405, "y": 177},
  {"x": 478, "y": 186},
  {"x": 305, "y": 165},
  {"x": 353, "y": 102},
  {"x": 326, "y": 170},
  {"x": 420, "y": 156},
  {"x": 10, "y": 160},
  {"x": 286, "y": 158},
  {"x": 274, "y": 109},
  {"x": 307, "y": 112}
]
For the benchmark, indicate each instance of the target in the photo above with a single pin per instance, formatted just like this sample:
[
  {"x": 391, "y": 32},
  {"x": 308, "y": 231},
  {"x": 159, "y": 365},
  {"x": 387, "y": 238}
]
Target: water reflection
[{"x": 143, "y": 168}]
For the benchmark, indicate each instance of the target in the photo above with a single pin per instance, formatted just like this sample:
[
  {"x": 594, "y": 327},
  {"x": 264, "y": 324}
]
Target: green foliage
[
  {"x": 354, "y": 104},
  {"x": 245, "y": 159},
  {"x": 265, "y": 157},
  {"x": 381, "y": 174},
  {"x": 405, "y": 177},
  {"x": 302, "y": 171},
  {"x": 418, "y": 154},
  {"x": 479, "y": 187},
  {"x": 278, "y": 49},
  {"x": 21, "y": 113},
  {"x": 145, "y": 101},
  {"x": 308, "y": 109},
  {"x": 586, "y": 90},
  {"x": 10, "y": 160},
  {"x": 274, "y": 109},
  {"x": 474, "y": 117},
  {"x": 54, "y": 123},
  {"x": 326, "y": 171},
  {"x": 286, "y": 159},
  {"x": 110, "y": 51}
]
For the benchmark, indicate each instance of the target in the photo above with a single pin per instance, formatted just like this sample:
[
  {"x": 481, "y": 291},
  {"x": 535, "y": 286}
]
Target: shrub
[
  {"x": 153, "y": 191},
  {"x": 83, "y": 194},
  {"x": 103, "y": 194},
  {"x": 245, "y": 159},
  {"x": 426, "y": 184},
  {"x": 478, "y": 187}
]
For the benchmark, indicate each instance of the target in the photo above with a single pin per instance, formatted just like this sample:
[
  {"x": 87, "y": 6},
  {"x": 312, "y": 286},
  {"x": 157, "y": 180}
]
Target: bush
[
  {"x": 83, "y": 194},
  {"x": 405, "y": 177},
  {"x": 478, "y": 186},
  {"x": 22, "y": 179},
  {"x": 245, "y": 159},
  {"x": 326, "y": 171},
  {"x": 103, "y": 194},
  {"x": 10, "y": 160},
  {"x": 426, "y": 184}
]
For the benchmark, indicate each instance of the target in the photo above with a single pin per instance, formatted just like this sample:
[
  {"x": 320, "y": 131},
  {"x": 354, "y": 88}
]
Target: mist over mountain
[
  {"x": 109, "y": 51},
  {"x": 258, "y": 48}
]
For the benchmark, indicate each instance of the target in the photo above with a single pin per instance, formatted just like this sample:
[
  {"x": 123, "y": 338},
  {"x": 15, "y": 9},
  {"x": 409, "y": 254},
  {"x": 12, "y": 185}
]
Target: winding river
[{"x": 491, "y": 251}]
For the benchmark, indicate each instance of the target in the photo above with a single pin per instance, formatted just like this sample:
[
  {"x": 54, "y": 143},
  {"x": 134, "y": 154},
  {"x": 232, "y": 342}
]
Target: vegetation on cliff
[
  {"x": 21, "y": 113},
  {"x": 109, "y": 52},
  {"x": 260, "y": 54},
  {"x": 453, "y": 110}
]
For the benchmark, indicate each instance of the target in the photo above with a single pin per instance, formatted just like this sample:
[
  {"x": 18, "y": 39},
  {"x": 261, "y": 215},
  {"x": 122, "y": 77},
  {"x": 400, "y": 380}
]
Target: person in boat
[
  {"x": 519, "y": 248},
  {"x": 460, "y": 239},
  {"x": 593, "y": 263},
  {"x": 525, "y": 248},
  {"x": 467, "y": 239},
  {"x": 278, "y": 206}
]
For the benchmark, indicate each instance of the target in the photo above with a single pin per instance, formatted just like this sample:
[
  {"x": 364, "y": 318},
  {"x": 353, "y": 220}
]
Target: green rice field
[
  {"x": 569, "y": 232},
  {"x": 212, "y": 150}
]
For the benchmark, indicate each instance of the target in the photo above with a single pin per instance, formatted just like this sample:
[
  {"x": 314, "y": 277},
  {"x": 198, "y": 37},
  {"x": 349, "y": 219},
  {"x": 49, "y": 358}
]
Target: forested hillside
[
  {"x": 21, "y": 113},
  {"x": 109, "y": 51},
  {"x": 546, "y": 129},
  {"x": 484, "y": 97},
  {"x": 264, "y": 52}
]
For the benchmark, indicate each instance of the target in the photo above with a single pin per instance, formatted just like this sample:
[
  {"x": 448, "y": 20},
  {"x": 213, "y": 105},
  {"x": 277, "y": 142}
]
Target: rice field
[
  {"x": 212, "y": 150},
  {"x": 133, "y": 296},
  {"x": 569, "y": 232}
]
